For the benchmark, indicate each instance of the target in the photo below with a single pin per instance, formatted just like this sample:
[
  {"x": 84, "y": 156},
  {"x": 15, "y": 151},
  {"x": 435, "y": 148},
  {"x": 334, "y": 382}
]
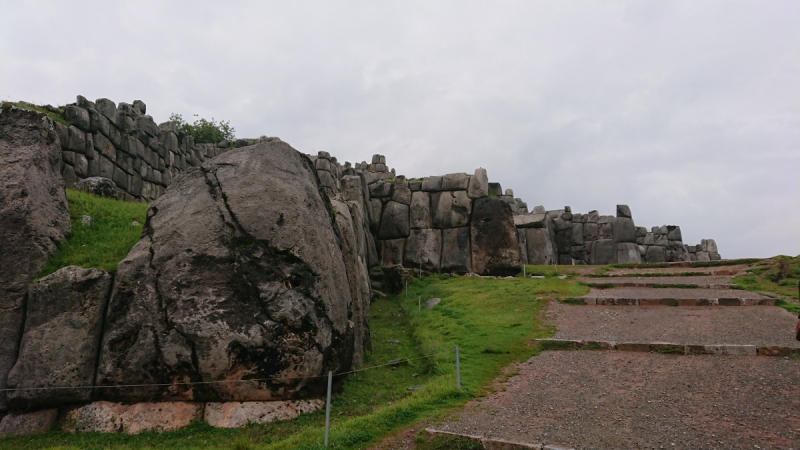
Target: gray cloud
[{"x": 687, "y": 111}]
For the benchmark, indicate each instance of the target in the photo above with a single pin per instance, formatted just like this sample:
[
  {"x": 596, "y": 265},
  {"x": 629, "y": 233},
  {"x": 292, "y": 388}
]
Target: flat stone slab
[
  {"x": 628, "y": 400},
  {"x": 675, "y": 296},
  {"x": 683, "y": 267},
  {"x": 109, "y": 417},
  {"x": 746, "y": 325},
  {"x": 239, "y": 414},
  {"x": 31, "y": 423}
]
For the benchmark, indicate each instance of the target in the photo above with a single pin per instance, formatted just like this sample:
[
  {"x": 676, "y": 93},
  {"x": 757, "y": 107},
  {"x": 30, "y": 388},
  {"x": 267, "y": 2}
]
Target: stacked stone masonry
[{"x": 123, "y": 143}]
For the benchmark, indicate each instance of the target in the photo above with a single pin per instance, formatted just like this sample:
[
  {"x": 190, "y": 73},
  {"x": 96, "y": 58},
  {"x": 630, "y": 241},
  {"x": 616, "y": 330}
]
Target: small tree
[{"x": 205, "y": 131}]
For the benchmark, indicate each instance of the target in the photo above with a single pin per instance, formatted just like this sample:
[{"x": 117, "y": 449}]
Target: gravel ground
[
  {"x": 676, "y": 293},
  {"x": 699, "y": 281},
  {"x": 740, "y": 325},
  {"x": 625, "y": 400}
]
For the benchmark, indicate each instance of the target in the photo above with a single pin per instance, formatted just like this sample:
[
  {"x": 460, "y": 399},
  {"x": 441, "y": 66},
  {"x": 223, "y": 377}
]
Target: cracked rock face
[
  {"x": 34, "y": 217},
  {"x": 238, "y": 282}
]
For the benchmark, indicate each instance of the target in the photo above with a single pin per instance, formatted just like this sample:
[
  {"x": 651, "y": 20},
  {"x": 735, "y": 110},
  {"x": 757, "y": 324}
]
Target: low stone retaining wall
[
  {"x": 679, "y": 301},
  {"x": 667, "y": 347},
  {"x": 110, "y": 417}
]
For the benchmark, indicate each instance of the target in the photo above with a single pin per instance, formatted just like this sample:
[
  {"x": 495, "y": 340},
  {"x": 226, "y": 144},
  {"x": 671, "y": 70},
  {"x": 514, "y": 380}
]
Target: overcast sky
[{"x": 689, "y": 112}]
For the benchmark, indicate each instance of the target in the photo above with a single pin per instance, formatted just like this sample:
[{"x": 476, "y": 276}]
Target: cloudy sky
[{"x": 689, "y": 112}]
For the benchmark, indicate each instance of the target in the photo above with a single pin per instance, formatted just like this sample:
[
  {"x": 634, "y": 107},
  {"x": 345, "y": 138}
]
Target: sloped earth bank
[{"x": 612, "y": 400}]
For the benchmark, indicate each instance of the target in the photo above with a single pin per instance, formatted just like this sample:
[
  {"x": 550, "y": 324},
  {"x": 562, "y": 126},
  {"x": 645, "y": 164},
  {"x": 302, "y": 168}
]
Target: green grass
[
  {"x": 764, "y": 279},
  {"x": 58, "y": 117},
  {"x": 109, "y": 239},
  {"x": 489, "y": 319}
]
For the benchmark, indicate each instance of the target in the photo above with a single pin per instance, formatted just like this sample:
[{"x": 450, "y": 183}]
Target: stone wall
[
  {"x": 123, "y": 143},
  {"x": 426, "y": 223}
]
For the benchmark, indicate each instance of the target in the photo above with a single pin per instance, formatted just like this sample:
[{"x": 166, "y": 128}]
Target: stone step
[
  {"x": 668, "y": 347},
  {"x": 670, "y": 301},
  {"x": 643, "y": 296}
]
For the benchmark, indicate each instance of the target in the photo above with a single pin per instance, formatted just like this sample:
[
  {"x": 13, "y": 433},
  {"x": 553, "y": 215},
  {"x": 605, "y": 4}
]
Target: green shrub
[{"x": 205, "y": 131}]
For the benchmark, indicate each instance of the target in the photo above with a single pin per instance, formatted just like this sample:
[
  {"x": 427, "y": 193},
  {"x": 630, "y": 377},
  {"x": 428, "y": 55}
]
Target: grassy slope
[
  {"x": 761, "y": 279},
  {"x": 490, "y": 320},
  {"x": 109, "y": 239}
]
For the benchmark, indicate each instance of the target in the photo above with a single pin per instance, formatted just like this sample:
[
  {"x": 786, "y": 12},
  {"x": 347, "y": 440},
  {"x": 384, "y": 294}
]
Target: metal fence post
[
  {"x": 328, "y": 408},
  {"x": 458, "y": 370}
]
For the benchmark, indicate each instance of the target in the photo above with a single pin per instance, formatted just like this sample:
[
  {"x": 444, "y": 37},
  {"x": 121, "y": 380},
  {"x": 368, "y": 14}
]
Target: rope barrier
[{"x": 192, "y": 383}]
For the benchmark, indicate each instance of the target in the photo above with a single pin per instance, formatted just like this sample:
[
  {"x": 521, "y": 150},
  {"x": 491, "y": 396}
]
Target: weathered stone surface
[
  {"x": 624, "y": 211},
  {"x": 455, "y": 182},
  {"x": 394, "y": 221},
  {"x": 703, "y": 256},
  {"x": 432, "y": 184},
  {"x": 421, "y": 210},
  {"x": 450, "y": 209},
  {"x": 456, "y": 254},
  {"x": 627, "y": 253},
  {"x": 392, "y": 252},
  {"x": 146, "y": 124},
  {"x": 708, "y": 245},
  {"x": 77, "y": 116},
  {"x": 478, "y": 184},
  {"x": 30, "y": 423},
  {"x": 432, "y": 302},
  {"x": 495, "y": 250},
  {"x": 655, "y": 254},
  {"x": 603, "y": 251},
  {"x": 577, "y": 233},
  {"x": 376, "y": 211},
  {"x": 107, "y": 108},
  {"x": 661, "y": 240},
  {"x": 34, "y": 217},
  {"x": 674, "y": 233},
  {"x": 539, "y": 210},
  {"x": 649, "y": 239},
  {"x": 231, "y": 281},
  {"x": 495, "y": 189},
  {"x": 624, "y": 229},
  {"x": 535, "y": 220},
  {"x": 540, "y": 247},
  {"x": 522, "y": 238},
  {"x": 108, "y": 417},
  {"x": 240, "y": 414},
  {"x": 323, "y": 164},
  {"x": 401, "y": 192},
  {"x": 68, "y": 304},
  {"x": 423, "y": 245},
  {"x": 564, "y": 240},
  {"x": 591, "y": 231},
  {"x": 641, "y": 232},
  {"x": 380, "y": 189}
]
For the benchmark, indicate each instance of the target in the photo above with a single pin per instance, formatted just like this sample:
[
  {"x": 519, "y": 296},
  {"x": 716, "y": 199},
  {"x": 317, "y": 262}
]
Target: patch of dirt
[{"x": 402, "y": 440}]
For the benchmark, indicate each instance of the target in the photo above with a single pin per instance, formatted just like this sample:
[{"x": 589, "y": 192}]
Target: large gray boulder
[
  {"x": 602, "y": 252},
  {"x": 624, "y": 229},
  {"x": 423, "y": 246},
  {"x": 451, "y": 209},
  {"x": 540, "y": 246},
  {"x": 401, "y": 192},
  {"x": 34, "y": 217},
  {"x": 456, "y": 254},
  {"x": 533, "y": 220},
  {"x": 63, "y": 326},
  {"x": 494, "y": 244},
  {"x": 455, "y": 182},
  {"x": 655, "y": 254},
  {"x": 394, "y": 221},
  {"x": 628, "y": 253},
  {"x": 238, "y": 280},
  {"x": 421, "y": 210}
]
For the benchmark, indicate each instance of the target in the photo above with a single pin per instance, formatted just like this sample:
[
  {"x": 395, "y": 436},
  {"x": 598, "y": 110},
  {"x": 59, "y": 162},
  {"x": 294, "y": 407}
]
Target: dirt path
[
  {"x": 743, "y": 325},
  {"x": 619, "y": 400}
]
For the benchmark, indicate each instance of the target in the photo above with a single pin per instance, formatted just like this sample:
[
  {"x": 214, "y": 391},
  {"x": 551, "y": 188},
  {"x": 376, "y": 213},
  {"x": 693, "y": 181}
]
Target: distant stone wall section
[{"x": 123, "y": 143}]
